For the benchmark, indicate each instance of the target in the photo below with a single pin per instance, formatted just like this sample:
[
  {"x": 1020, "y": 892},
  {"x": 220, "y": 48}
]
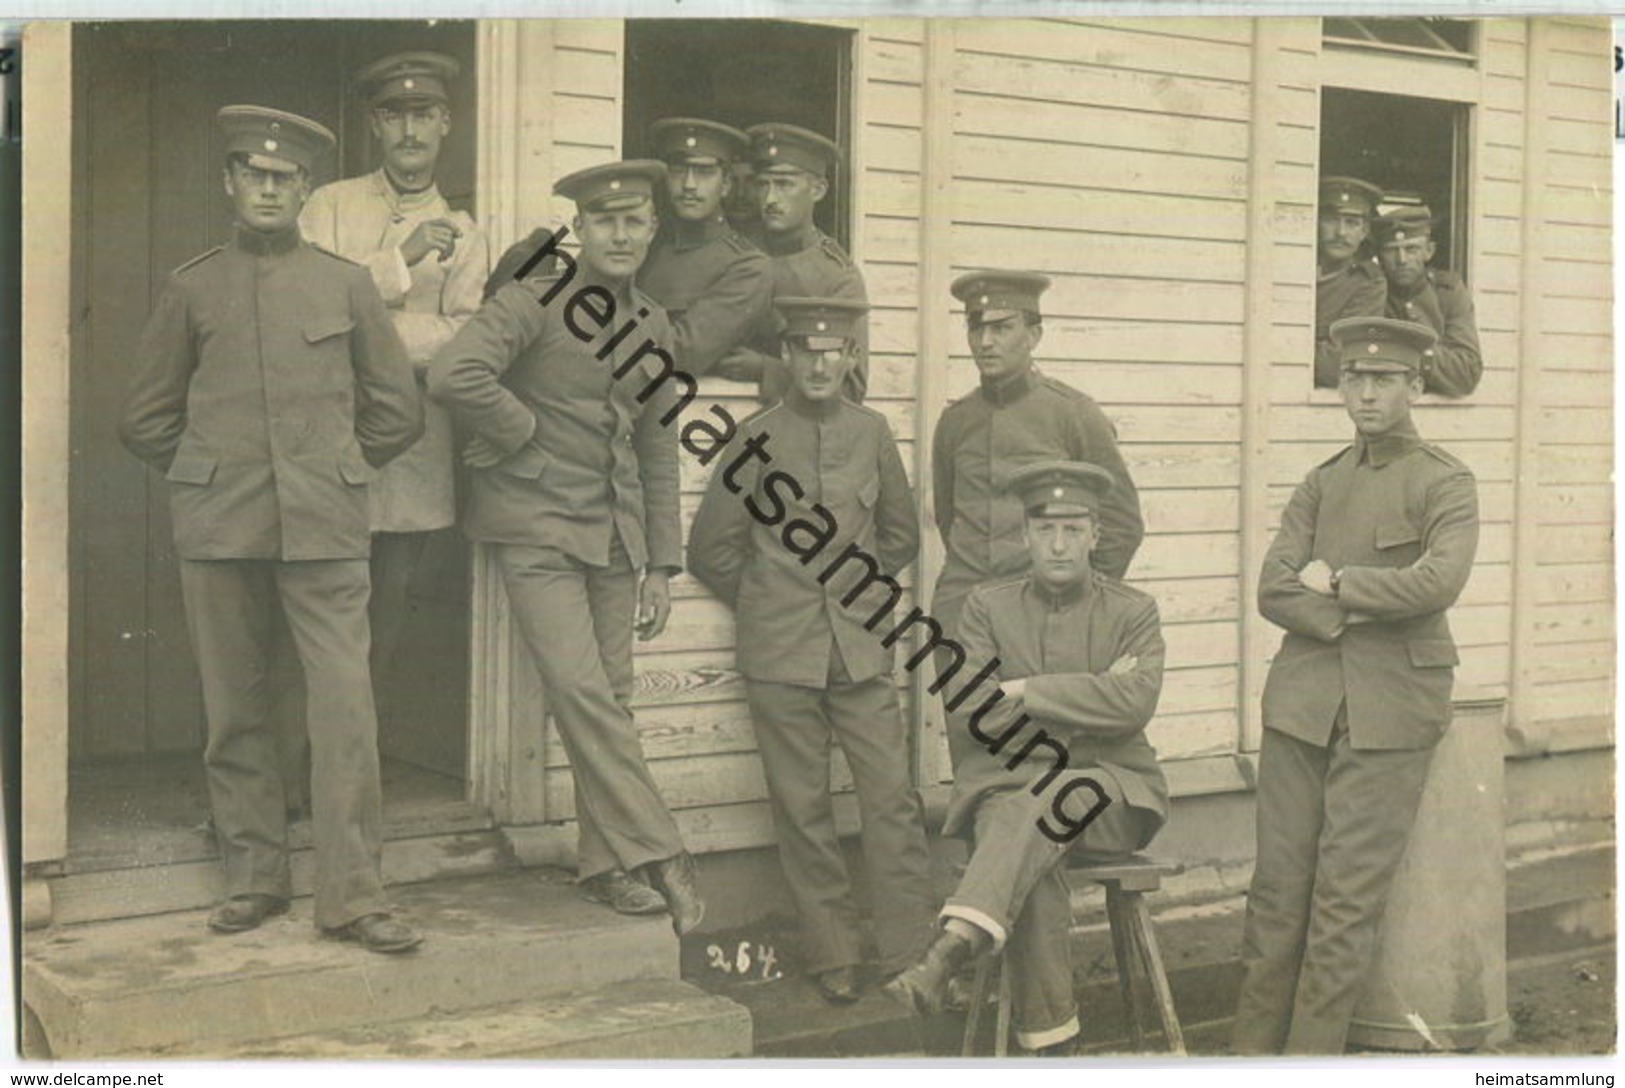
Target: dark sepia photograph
[{"x": 874, "y": 538}]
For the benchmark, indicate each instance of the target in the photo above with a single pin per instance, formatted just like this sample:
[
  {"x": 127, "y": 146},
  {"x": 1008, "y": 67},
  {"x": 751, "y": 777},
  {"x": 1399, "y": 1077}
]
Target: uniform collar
[
  {"x": 1385, "y": 449},
  {"x": 788, "y": 242},
  {"x": 1059, "y": 600},
  {"x": 687, "y": 235},
  {"x": 1011, "y": 389},
  {"x": 821, "y": 410},
  {"x": 399, "y": 200},
  {"x": 263, "y": 244},
  {"x": 1421, "y": 286}
]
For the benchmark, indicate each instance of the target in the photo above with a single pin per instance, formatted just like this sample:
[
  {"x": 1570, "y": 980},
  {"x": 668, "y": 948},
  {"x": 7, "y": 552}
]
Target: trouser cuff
[
  {"x": 1036, "y": 1040},
  {"x": 976, "y": 918}
]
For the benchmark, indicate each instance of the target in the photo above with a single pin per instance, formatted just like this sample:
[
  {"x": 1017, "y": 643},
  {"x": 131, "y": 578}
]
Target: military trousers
[
  {"x": 1014, "y": 889},
  {"x": 231, "y": 607},
  {"x": 577, "y": 620},
  {"x": 1332, "y": 827},
  {"x": 795, "y": 727}
]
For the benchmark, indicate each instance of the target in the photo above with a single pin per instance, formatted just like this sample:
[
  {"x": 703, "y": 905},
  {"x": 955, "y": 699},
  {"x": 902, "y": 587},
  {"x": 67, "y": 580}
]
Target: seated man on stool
[{"x": 1054, "y": 762}]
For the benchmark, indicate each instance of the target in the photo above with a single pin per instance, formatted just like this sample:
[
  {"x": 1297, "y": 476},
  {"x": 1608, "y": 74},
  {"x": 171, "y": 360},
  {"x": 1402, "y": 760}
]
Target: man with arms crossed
[
  {"x": 1374, "y": 547},
  {"x": 1055, "y": 762}
]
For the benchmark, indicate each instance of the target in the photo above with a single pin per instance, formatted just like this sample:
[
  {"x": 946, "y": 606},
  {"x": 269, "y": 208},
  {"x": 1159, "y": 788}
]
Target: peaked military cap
[
  {"x": 1402, "y": 224},
  {"x": 774, "y": 145},
  {"x": 684, "y": 138},
  {"x": 612, "y": 185},
  {"x": 995, "y": 290},
  {"x": 1059, "y": 488},
  {"x": 825, "y": 323},
  {"x": 1382, "y": 344},
  {"x": 1349, "y": 195},
  {"x": 273, "y": 139},
  {"x": 407, "y": 77}
]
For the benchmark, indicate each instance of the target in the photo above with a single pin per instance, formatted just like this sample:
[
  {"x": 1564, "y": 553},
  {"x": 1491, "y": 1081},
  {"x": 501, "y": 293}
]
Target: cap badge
[
  {"x": 409, "y": 84},
  {"x": 823, "y": 325},
  {"x": 270, "y": 145},
  {"x": 773, "y": 150},
  {"x": 983, "y": 300},
  {"x": 614, "y": 183},
  {"x": 1371, "y": 349},
  {"x": 1343, "y": 198},
  {"x": 1399, "y": 235},
  {"x": 1058, "y": 492},
  {"x": 690, "y": 142}
]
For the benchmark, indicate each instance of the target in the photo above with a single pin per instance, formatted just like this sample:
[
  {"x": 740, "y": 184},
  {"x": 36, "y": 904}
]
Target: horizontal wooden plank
[
  {"x": 891, "y": 60},
  {"x": 1575, "y": 504},
  {"x": 1151, "y": 382},
  {"x": 1083, "y": 122},
  {"x": 1192, "y": 600},
  {"x": 1590, "y": 464},
  {"x": 1484, "y": 667},
  {"x": 1020, "y": 158},
  {"x": 1190, "y": 555},
  {"x": 1481, "y": 625},
  {"x": 1192, "y": 736},
  {"x": 1068, "y": 81},
  {"x": 1191, "y": 511},
  {"x": 1442, "y": 423},
  {"x": 1199, "y": 689},
  {"x": 1558, "y": 581},
  {"x": 1195, "y": 645},
  {"x": 598, "y": 35},
  {"x": 893, "y": 104},
  {"x": 1078, "y": 208},
  {"x": 1571, "y": 662},
  {"x": 888, "y": 147},
  {"x": 1573, "y": 426},
  {"x": 1228, "y": 30},
  {"x": 1175, "y": 423},
  {"x": 1140, "y": 45},
  {"x": 1154, "y": 465},
  {"x": 587, "y": 72},
  {"x": 1572, "y": 700},
  {"x": 1056, "y": 251},
  {"x": 1583, "y": 622}
]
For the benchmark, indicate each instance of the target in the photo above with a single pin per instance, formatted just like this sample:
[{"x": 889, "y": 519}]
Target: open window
[
  {"x": 1415, "y": 149},
  {"x": 743, "y": 72}
]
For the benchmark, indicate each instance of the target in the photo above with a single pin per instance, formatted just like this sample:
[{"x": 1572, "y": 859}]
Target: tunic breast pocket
[
  {"x": 328, "y": 342},
  {"x": 1399, "y": 543}
]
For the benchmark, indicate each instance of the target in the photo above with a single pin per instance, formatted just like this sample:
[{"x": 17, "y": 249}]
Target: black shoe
[
  {"x": 838, "y": 985},
  {"x": 675, "y": 879},
  {"x": 622, "y": 893},
  {"x": 924, "y": 986},
  {"x": 241, "y": 913},
  {"x": 379, "y": 933},
  {"x": 1066, "y": 1048}
]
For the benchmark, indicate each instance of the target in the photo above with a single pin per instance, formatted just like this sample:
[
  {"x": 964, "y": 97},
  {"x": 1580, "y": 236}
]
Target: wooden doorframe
[{"x": 47, "y": 327}]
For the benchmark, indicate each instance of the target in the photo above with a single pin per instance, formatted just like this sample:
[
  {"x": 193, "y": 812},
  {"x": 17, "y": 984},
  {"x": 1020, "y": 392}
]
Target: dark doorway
[
  {"x": 148, "y": 197},
  {"x": 743, "y": 72}
]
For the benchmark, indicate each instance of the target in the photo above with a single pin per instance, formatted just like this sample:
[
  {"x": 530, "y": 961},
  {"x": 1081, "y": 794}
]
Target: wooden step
[
  {"x": 166, "y": 982},
  {"x": 641, "y": 1019}
]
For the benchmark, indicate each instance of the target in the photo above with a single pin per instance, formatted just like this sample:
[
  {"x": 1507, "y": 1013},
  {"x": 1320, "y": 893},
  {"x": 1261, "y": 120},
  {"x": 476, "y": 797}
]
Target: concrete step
[
  {"x": 630, "y": 1020},
  {"x": 104, "y": 894},
  {"x": 166, "y": 982}
]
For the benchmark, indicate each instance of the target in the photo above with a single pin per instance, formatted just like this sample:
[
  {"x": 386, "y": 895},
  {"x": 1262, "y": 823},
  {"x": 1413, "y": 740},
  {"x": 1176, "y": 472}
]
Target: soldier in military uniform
[
  {"x": 715, "y": 285},
  {"x": 268, "y": 386},
  {"x": 428, "y": 262},
  {"x": 792, "y": 173},
  {"x": 575, "y": 488},
  {"x": 1374, "y": 547},
  {"x": 813, "y": 672},
  {"x": 1348, "y": 282},
  {"x": 1055, "y": 760},
  {"x": 1432, "y": 297},
  {"x": 1017, "y": 416}
]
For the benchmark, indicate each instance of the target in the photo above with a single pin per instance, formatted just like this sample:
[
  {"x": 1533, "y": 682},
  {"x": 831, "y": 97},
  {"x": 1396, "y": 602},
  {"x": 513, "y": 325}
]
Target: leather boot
[
  {"x": 674, "y": 878},
  {"x": 924, "y": 986}
]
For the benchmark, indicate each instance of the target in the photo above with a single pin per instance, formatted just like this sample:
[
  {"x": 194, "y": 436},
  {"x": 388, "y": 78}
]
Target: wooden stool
[{"x": 1134, "y": 941}]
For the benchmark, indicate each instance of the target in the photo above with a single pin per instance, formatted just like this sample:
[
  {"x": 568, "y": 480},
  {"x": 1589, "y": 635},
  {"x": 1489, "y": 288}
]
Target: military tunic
[
  {"x": 1358, "y": 289},
  {"x": 1064, "y": 643},
  {"x": 268, "y": 384},
  {"x": 1353, "y": 705},
  {"x": 366, "y": 220},
  {"x": 715, "y": 285},
  {"x": 585, "y": 499},
  {"x": 809, "y": 264},
  {"x": 813, "y": 672},
  {"x": 1442, "y": 302},
  {"x": 979, "y": 440}
]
